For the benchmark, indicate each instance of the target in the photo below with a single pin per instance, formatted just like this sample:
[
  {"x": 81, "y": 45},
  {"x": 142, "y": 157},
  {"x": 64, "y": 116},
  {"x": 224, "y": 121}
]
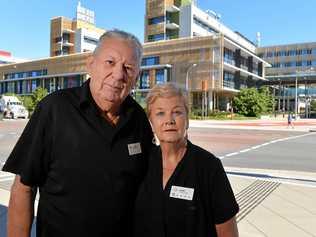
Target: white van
[{"x": 12, "y": 107}]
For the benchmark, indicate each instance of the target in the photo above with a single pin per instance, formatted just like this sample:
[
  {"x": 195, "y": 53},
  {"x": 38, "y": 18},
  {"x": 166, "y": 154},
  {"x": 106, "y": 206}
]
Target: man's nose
[{"x": 118, "y": 72}]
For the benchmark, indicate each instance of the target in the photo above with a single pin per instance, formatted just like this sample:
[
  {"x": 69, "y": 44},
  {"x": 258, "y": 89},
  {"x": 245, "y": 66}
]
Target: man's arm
[
  {"x": 21, "y": 209},
  {"x": 227, "y": 229}
]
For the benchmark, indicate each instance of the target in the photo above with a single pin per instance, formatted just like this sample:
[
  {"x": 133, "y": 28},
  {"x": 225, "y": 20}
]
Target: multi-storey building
[
  {"x": 74, "y": 36},
  {"x": 293, "y": 71},
  {"x": 179, "y": 34},
  {"x": 213, "y": 65}
]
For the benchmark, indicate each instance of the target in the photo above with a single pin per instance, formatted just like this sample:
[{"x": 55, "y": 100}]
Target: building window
[
  {"x": 291, "y": 52},
  {"x": 90, "y": 40},
  {"x": 203, "y": 25},
  {"x": 160, "y": 76},
  {"x": 228, "y": 80},
  {"x": 156, "y": 37},
  {"x": 156, "y": 20},
  {"x": 148, "y": 61},
  {"x": 229, "y": 56},
  {"x": 58, "y": 39},
  {"x": 66, "y": 50},
  {"x": 66, "y": 38},
  {"x": 144, "y": 80}
]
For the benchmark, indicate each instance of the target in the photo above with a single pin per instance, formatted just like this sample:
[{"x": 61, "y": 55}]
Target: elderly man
[{"x": 85, "y": 149}]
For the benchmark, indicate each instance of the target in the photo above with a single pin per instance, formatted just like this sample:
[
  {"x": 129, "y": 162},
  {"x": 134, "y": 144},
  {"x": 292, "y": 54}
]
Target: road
[{"x": 270, "y": 150}]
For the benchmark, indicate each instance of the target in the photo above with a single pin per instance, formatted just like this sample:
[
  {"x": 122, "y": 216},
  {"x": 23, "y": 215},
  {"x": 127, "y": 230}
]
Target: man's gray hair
[{"x": 115, "y": 33}]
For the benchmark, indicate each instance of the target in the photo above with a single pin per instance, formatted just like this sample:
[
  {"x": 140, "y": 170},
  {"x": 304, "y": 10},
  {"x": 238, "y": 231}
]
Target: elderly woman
[{"x": 186, "y": 191}]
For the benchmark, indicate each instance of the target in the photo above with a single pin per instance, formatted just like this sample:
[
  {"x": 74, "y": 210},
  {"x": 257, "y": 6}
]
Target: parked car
[{"x": 12, "y": 107}]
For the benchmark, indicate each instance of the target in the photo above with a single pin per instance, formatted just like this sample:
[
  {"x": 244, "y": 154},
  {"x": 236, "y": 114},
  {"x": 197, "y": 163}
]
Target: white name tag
[
  {"x": 134, "y": 148},
  {"x": 182, "y": 193}
]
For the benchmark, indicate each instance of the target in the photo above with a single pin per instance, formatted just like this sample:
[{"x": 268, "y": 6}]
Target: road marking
[
  {"x": 282, "y": 180},
  {"x": 262, "y": 145}
]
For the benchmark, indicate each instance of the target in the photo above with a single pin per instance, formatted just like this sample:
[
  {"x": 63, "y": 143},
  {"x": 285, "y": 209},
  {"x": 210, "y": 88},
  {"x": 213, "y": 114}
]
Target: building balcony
[
  {"x": 68, "y": 31},
  {"x": 67, "y": 44},
  {"x": 172, "y": 8},
  {"x": 172, "y": 26}
]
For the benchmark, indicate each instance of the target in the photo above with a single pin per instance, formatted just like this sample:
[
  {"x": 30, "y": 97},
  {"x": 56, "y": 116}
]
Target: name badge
[
  {"x": 182, "y": 193},
  {"x": 134, "y": 148}
]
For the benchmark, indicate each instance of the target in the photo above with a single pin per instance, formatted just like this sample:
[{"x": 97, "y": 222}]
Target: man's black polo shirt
[
  {"x": 196, "y": 197},
  {"x": 87, "y": 171}
]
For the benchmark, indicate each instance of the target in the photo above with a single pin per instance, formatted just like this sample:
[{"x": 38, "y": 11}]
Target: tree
[
  {"x": 252, "y": 102},
  {"x": 313, "y": 105},
  {"x": 30, "y": 101},
  {"x": 38, "y": 95}
]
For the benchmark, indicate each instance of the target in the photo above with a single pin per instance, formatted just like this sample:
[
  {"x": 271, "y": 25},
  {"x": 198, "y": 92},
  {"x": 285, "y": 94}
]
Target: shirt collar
[
  {"x": 86, "y": 99},
  {"x": 85, "y": 95}
]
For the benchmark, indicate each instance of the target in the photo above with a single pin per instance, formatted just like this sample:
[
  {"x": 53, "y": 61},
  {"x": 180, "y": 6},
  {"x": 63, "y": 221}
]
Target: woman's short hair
[{"x": 166, "y": 90}]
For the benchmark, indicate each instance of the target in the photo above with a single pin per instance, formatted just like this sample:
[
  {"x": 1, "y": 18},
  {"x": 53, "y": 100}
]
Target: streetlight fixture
[
  {"x": 187, "y": 82},
  {"x": 187, "y": 76},
  {"x": 310, "y": 70}
]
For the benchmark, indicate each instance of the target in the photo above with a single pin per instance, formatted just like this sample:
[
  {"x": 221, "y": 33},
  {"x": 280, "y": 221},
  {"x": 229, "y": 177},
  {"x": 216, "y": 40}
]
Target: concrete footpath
[{"x": 272, "y": 203}]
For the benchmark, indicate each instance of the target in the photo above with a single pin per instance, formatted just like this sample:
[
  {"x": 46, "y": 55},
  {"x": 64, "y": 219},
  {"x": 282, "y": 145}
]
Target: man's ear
[{"x": 89, "y": 63}]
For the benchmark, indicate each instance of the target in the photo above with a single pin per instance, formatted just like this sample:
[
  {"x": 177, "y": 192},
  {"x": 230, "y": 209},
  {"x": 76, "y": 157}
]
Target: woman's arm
[{"x": 227, "y": 229}]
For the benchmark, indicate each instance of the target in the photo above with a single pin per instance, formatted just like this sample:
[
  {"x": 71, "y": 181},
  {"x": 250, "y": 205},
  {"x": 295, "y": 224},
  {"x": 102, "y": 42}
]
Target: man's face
[{"x": 113, "y": 71}]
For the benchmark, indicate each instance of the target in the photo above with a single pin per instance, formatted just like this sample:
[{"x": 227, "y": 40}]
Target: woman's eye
[
  {"x": 160, "y": 113},
  {"x": 178, "y": 112}
]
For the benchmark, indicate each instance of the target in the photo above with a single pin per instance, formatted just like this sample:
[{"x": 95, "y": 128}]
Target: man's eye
[
  {"x": 129, "y": 70},
  {"x": 109, "y": 62}
]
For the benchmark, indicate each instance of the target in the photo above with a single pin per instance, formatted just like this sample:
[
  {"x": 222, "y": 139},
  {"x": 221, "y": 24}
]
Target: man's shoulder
[
  {"x": 63, "y": 96},
  {"x": 131, "y": 103}
]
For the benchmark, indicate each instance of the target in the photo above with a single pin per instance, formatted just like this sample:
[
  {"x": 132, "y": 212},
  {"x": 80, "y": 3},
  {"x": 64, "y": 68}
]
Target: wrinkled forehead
[
  {"x": 168, "y": 102},
  {"x": 118, "y": 48}
]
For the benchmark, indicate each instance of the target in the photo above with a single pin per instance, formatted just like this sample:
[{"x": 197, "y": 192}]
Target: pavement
[{"x": 273, "y": 203}]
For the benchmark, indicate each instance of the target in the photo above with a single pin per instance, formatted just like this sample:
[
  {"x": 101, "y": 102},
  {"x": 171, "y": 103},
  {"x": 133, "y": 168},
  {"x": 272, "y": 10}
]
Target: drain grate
[{"x": 253, "y": 195}]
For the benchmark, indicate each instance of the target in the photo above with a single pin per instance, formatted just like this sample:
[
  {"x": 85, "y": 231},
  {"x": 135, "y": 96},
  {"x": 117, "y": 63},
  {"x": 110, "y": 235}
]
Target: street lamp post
[
  {"x": 187, "y": 81},
  {"x": 310, "y": 70},
  {"x": 187, "y": 76},
  {"x": 295, "y": 97}
]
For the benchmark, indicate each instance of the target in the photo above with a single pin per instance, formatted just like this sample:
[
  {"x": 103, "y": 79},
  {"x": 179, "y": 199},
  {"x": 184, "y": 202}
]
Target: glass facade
[
  {"x": 50, "y": 84},
  {"x": 160, "y": 76},
  {"x": 17, "y": 75},
  {"x": 228, "y": 80},
  {"x": 144, "y": 80},
  {"x": 149, "y": 61},
  {"x": 303, "y": 63},
  {"x": 90, "y": 40},
  {"x": 203, "y": 25},
  {"x": 292, "y": 52},
  {"x": 156, "y": 37},
  {"x": 156, "y": 20},
  {"x": 229, "y": 56}
]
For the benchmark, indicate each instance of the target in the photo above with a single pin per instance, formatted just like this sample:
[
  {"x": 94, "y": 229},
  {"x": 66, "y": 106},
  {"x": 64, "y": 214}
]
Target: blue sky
[{"x": 24, "y": 25}]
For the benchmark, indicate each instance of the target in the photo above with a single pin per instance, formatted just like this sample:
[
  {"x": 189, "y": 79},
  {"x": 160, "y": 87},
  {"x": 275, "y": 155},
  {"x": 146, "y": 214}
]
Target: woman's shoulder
[{"x": 202, "y": 157}]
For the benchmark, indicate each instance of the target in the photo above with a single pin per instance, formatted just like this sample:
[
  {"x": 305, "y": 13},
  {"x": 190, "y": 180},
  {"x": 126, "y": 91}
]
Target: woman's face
[{"x": 169, "y": 119}]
